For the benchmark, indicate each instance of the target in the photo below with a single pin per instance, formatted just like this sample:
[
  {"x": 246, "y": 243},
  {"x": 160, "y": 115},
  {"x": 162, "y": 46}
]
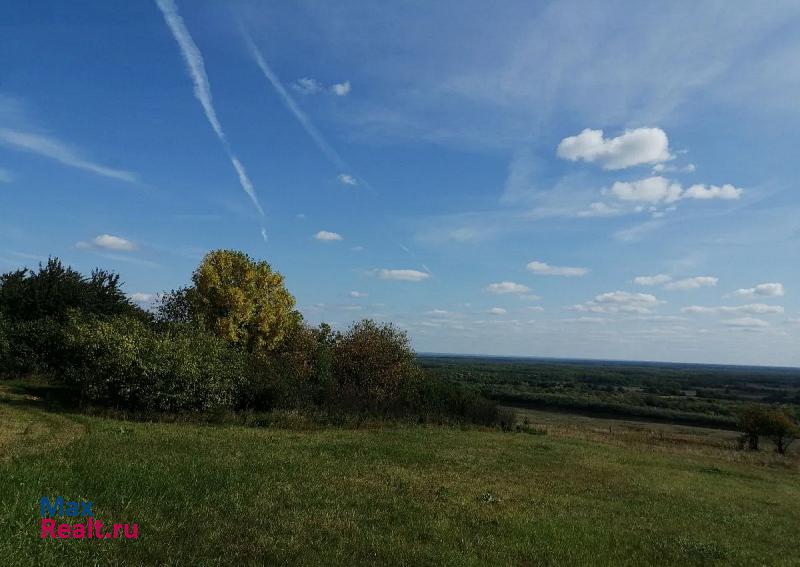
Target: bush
[
  {"x": 372, "y": 363},
  {"x": 125, "y": 363},
  {"x": 5, "y": 344}
]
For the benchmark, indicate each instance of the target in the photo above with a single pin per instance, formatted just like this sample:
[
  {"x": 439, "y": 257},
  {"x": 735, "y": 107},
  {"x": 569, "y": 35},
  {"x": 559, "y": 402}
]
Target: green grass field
[{"x": 412, "y": 495}]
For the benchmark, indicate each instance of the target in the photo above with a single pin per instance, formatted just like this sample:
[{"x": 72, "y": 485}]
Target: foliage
[
  {"x": 5, "y": 342},
  {"x": 758, "y": 420},
  {"x": 55, "y": 289},
  {"x": 243, "y": 301},
  {"x": 125, "y": 363},
  {"x": 175, "y": 306},
  {"x": 371, "y": 363}
]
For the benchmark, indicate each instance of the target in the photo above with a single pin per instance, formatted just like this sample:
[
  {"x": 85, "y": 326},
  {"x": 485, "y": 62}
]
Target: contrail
[
  {"x": 290, "y": 103},
  {"x": 202, "y": 88}
]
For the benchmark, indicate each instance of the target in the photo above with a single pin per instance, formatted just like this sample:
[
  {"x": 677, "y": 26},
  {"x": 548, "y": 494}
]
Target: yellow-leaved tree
[{"x": 243, "y": 301}]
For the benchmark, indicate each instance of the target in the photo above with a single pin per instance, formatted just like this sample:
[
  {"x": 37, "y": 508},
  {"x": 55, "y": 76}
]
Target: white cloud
[
  {"x": 109, "y": 242},
  {"x": 658, "y": 279},
  {"x": 692, "y": 283},
  {"x": 142, "y": 298},
  {"x": 347, "y": 179},
  {"x": 402, "y": 275},
  {"x": 659, "y": 189},
  {"x": 358, "y": 294},
  {"x": 49, "y": 147},
  {"x": 749, "y": 309},
  {"x": 202, "y": 88},
  {"x": 746, "y": 322},
  {"x": 307, "y": 86},
  {"x": 534, "y": 309},
  {"x": 650, "y": 190},
  {"x": 326, "y": 236},
  {"x": 507, "y": 287},
  {"x": 703, "y": 192},
  {"x": 620, "y": 302},
  {"x": 544, "y": 269},
  {"x": 634, "y": 147},
  {"x": 599, "y": 209},
  {"x": 341, "y": 89},
  {"x": 497, "y": 311},
  {"x": 765, "y": 289}
]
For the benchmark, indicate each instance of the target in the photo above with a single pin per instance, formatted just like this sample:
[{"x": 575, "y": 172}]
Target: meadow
[{"x": 563, "y": 491}]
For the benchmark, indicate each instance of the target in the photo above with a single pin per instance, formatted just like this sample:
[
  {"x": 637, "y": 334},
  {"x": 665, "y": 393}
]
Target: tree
[
  {"x": 757, "y": 421},
  {"x": 372, "y": 363},
  {"x": 175, "y": 306},
  {"x": 55, "y": 289},
  {"x": 781, "y": 429},
  {"x": 242, "y": 301}
]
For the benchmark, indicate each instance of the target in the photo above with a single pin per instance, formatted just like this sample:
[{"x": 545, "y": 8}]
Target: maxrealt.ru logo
[{"x": 89, "y": 529}]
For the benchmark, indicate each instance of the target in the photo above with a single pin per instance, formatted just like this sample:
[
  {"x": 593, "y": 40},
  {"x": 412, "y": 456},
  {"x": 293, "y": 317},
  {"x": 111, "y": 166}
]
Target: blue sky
[{"x": 573, "y": 179}]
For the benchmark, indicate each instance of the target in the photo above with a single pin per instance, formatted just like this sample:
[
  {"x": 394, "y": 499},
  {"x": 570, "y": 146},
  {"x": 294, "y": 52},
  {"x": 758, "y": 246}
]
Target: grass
[{"x": 412, "y": 495}]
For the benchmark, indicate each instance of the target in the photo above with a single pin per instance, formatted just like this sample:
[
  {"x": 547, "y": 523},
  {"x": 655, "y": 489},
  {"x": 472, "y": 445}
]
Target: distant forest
[{"x": 693, "y": 394}]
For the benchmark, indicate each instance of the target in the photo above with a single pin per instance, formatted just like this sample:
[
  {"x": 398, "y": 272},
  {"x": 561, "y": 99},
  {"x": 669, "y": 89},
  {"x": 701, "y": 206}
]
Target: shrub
[
  {"x": 125, "y": 363},
  {"x": 371, "y": 364},
  {"x": 5, "y": 344}
]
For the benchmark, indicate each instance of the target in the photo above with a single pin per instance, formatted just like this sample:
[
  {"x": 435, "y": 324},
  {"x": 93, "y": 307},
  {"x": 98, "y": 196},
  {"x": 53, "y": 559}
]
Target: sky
[{"x": 611, "y": 180}]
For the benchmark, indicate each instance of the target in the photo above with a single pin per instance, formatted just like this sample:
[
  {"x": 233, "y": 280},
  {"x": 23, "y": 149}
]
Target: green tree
[
  {"x": 243, "y": 301},
  {"x": 774, "y": 423},
  {"x": 54, "y": 289},
  {"x": 372, "y": 364}
]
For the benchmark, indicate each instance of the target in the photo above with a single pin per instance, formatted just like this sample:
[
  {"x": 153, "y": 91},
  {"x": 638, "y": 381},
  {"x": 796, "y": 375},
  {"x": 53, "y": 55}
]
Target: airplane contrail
[
  {"x": 293, "y": 107},
  {"x": 202, "y": 89}
]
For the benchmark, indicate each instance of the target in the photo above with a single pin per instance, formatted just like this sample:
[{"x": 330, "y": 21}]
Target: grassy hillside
[{"x": 405, "y": 495}]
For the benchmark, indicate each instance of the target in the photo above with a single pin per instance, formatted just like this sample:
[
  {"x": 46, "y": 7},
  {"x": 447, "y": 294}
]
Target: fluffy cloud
[
  {"x": 692, "y": 283},
  {"x": 620, "y": 302},
  {"x": 650, "y": 190},
  {"x": 142, "y": 298},
  {"x": 341, "y": 89},
  {"x": 764, "y": 289},
  {"x": 749, "y": 309},
  {"x": 497, "y": 311},
  {"x": 109, "y": 242},
  {"x": 507, "y": 287},
  {"x": 634, "y": 147},
  {"x": 703, "y": 192},
  {"x": 325, "y": 236},
  {"x": 544, "y": 269},
  {"x": 659, "y": 189},
  {"x": 347, "y": 179},
  {"x": 658, "y": 279},
  {"x": 402, "y": 275}
]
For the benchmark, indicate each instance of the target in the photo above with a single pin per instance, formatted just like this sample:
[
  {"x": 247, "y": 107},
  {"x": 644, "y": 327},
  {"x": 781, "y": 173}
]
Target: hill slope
[{"x": 406, "y": 495}]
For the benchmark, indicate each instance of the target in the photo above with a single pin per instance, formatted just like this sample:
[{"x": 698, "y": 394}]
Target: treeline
[{"x": 230, "y": 341}]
